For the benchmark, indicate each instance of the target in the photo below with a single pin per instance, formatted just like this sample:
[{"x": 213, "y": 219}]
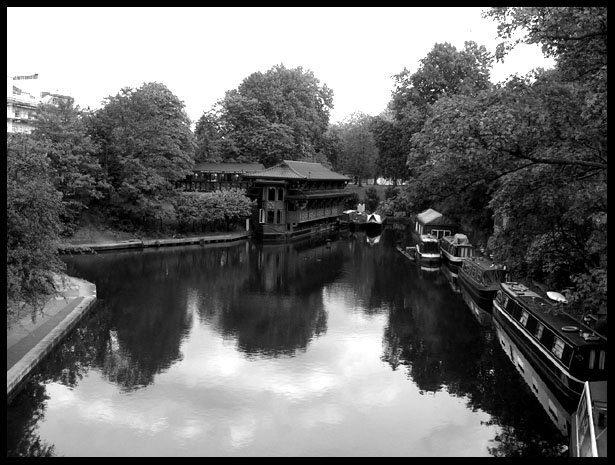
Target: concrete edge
[
  {"x": 22, "y": 369},
  {"x": 140, "y": 244}
]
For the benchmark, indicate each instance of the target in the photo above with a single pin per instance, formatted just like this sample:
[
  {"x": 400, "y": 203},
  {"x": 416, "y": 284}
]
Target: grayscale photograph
[{"x": 307, "y": 232}]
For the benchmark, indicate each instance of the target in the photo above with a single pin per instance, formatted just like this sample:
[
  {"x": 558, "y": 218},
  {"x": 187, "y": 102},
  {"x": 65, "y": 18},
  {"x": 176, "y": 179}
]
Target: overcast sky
[{"x": 200, "y": 53}]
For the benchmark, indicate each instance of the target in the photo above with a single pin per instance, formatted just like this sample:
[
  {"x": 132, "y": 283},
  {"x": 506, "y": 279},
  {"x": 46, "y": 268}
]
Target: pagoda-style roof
[
  {"x": 304, "y": 170},
  {"x": 213, "y": 167}
]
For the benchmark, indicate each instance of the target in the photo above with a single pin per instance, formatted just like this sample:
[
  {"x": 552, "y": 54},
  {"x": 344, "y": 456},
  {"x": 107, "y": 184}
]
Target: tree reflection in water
[{"x": 268, "y": 301}]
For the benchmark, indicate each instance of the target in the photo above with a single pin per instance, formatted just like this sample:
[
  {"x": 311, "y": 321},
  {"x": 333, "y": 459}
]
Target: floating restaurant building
[{"x": 296, "y": 199}]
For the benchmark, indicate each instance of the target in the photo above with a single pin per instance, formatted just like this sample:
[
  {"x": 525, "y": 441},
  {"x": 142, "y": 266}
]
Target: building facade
[{"x": 23, "y": 95}]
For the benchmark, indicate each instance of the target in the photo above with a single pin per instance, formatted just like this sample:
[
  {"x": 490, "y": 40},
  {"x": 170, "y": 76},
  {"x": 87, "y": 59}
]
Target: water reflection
[{"x": 317, "y": 348}]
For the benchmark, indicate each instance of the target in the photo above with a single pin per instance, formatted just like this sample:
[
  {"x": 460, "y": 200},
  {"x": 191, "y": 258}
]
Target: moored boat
[
  {"x": 588, "y": 436},
  {"x": 479, "y": 279},
  {"x": 454, "y": 249},
  {"x": 428, "y": 250},
  {"x": 565, "y": 350}
]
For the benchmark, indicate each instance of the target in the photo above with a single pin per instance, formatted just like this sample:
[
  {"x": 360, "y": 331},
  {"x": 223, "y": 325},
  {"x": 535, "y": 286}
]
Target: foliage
[
  {"x": 33, "y": 208},
  {"x": 146, "y": 144},
  {"x": 199, "y": 210},
  {"x": 359, "y": 154},
  {"x": 388, "y": 135},
  {"x": 209, "y": 139},
  {"x": 74, "y": 167},
  {"x": 282, "y": 114},
  {"x": 372, "y": 199}
]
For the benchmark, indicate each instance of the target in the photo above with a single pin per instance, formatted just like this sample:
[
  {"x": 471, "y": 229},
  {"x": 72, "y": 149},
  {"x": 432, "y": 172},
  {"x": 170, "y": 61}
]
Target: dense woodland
[{"x": 529, "y": 153}]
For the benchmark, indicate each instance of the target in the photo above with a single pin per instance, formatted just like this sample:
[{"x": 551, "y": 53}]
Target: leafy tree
[
  {"x": 33, "y": 208},
  {"x": 209, "y": 139},
  {"x": 372, "y": 199},
  {"x": 74, "y": 167},
  {"x": 359, "y": 153},
  {"x": 203, "y": 209},
  {"x": 388, "y": 136},
  {"x": 147, "y": 146},
  {"x": 280, "y": 114}
]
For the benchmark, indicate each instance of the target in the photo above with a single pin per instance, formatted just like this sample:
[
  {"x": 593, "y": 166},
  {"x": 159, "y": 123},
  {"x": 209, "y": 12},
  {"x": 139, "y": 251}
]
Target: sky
[{"x": 200, "y": 53}]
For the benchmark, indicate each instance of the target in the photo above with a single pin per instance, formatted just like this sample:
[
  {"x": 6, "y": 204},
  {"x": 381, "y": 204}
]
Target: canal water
[{"x": 337, "y": 347}]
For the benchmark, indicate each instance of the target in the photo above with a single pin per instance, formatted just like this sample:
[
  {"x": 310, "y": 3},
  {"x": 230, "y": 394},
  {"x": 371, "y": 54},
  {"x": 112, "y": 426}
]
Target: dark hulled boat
[
  {"x": 479, "y": 279},
  {"x": 566, "y": 351}
]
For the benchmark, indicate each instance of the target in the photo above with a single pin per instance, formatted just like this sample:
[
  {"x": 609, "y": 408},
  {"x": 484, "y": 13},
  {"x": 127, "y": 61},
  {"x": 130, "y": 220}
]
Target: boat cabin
[{"x": 433, "y": 222}]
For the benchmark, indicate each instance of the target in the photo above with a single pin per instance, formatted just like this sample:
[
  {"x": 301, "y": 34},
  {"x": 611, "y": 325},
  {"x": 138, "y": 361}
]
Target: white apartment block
[{"x": 23, "y": 94}]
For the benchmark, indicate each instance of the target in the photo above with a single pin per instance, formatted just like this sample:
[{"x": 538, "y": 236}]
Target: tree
[
  {"x": 281, "y": 114},
  {"x": 33, "y": 208},
  {"x": 388, "y": 135},
  {"x": 60, "y": 133},
  {"x": 147, "y": 146},
  {"x": 359, "y": 153},
  {"x": 208, "y": 138}
]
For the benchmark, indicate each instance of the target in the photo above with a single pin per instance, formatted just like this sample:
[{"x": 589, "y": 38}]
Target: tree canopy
[
  {"x": 272, "y": 116},
  {"x": 146, "y": 145}
]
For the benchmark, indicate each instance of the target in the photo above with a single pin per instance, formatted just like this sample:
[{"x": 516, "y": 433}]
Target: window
[
  {"x": 271, "y": 193},
  {"x": 538, "y": 332},
  {"x": 279, "y": 216},
  {"x": 270, "y": 216},
  {"x": 524, "y": 317},
  {"x": 261, "y": 216},
  {"x": 280, "y": 193},
  {"x": 558, "y": 347}
]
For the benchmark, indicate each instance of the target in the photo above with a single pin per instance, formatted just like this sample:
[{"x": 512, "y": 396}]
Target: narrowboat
[
  {"x": 479, "y": 279},
  {"x": 428, "y": 250},
  {"x": 454, "y": 249},
  {"x": 565, "y": 350},
  {"x": 588, "y": 436}
]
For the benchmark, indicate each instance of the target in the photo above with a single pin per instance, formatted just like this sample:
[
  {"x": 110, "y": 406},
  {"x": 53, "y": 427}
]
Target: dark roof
[
  {"x": 227, "y": 167},
  {"x": 290, "y": 169}
]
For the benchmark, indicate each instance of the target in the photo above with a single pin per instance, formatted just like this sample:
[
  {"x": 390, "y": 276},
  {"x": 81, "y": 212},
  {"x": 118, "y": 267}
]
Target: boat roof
[
  {"x": 304, "y": 170},
  {"x": 485, "y": 263},
  {"x": 553, "y": 315}
]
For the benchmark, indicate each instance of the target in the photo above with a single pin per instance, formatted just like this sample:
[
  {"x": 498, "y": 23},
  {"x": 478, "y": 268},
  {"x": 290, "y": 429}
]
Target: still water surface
[{"x": 316, "y": 348}]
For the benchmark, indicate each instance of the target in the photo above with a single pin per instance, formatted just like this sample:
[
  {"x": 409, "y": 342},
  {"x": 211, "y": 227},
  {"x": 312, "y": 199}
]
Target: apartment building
[{"x": 23, "y": 95}]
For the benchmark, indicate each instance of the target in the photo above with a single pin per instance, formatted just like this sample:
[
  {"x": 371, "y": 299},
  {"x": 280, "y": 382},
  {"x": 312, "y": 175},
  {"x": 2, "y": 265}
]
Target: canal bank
[{"x": 29, "y": 340}]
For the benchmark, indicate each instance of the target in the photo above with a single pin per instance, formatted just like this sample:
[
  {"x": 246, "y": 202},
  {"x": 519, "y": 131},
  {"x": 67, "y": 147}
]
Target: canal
[{"x": 314, "y": 348}]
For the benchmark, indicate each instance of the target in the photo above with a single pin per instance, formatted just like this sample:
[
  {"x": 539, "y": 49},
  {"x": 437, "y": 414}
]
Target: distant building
[{"x": 23, "y": 96}]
